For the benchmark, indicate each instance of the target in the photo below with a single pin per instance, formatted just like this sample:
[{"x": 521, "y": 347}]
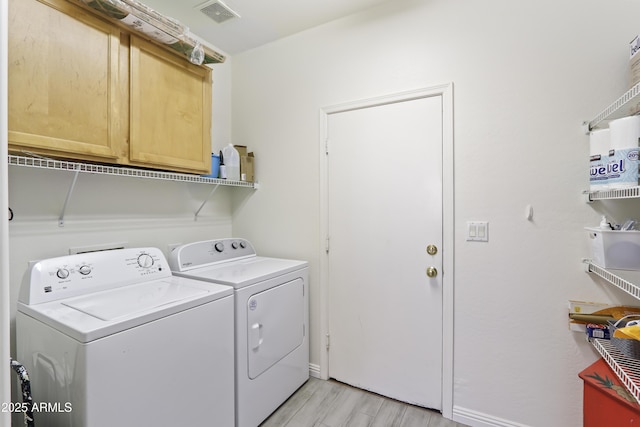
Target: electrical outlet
[{"x": 477, "y": 231}]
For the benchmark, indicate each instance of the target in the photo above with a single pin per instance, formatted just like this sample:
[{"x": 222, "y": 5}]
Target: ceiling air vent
[{"x": 218, "y": 11}]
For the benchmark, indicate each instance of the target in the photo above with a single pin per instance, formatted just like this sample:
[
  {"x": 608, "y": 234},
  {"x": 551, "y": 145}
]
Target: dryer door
[{"x": 275, "y": 319}]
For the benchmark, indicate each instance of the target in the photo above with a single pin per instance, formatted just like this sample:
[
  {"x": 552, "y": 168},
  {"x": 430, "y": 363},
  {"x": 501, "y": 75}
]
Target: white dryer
[
  {"x": 271, "y": 319},
  {"x": 114, "y": 339}
]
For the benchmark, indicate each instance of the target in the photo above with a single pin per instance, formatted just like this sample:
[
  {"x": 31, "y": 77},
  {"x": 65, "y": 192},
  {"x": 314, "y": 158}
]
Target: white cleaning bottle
[
  {"x": 232, "y": 162},
  {"x": 604, "y": 224}
]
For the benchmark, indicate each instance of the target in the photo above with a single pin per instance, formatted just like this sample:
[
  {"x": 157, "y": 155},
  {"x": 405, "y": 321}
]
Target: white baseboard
[
  {"x": 479, "y": 419},
  {"x": 314, "y": 370}
]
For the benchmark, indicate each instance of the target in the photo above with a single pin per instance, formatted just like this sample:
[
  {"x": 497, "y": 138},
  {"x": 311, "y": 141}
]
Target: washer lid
[
  {"x": 131, "y": 300},
  {"x": 93, "y": 316},
  {"x": 244, "y": 272}
]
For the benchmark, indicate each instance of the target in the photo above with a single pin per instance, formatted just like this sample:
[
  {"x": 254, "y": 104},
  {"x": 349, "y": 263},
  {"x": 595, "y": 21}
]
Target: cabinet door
[
  {"x": 64, "y": 96},
  {"x": 170, "y": 123}
]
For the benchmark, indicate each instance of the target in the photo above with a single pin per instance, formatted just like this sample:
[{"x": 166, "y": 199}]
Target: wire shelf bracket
[
  {"x": 68, "y": 198},
  {"x": 204, "y": 202}
]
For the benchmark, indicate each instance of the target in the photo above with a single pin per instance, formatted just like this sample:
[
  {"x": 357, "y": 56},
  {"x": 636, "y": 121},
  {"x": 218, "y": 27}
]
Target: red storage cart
[{"x": 607, "y": 403}]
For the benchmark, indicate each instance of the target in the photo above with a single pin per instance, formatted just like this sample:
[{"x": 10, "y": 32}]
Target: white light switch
[{"x": 477, "y": 231}]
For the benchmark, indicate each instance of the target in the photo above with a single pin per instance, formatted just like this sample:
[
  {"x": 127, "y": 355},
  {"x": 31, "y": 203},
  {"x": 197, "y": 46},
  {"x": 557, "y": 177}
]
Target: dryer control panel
[
  {"x": 209, "y": 252},
  {"x": 63, "y": 277}
]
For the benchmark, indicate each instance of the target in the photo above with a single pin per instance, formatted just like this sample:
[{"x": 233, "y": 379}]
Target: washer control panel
[
  {"x": 72, "y": 275},
  {"x": 199, "y": 254}
]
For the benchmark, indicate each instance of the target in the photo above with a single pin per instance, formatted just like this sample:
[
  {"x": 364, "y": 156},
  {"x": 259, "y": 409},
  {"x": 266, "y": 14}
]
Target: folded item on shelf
[{"x": 146, "y": 21}]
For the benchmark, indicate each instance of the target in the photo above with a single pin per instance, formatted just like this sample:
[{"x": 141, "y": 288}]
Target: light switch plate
[{"x": 477, "y": 231}]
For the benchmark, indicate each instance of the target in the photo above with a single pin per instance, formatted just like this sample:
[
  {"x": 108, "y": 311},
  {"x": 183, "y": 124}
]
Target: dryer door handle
[{"x": 255, "y": 339}]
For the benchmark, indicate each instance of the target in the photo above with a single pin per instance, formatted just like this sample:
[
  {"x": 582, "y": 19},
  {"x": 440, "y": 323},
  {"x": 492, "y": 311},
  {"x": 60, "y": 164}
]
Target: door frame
[
  {"x": 445, "y": 91},
  {"x": 5, "y": 309}
]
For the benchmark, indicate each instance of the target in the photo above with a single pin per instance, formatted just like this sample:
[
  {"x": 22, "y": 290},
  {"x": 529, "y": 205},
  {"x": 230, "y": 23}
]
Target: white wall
[
  {"x": 220, "y": 110},
  {"x": 525, "y": 77}
]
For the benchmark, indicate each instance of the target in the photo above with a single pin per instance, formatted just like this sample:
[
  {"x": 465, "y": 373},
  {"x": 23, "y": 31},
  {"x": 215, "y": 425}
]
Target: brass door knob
[
  {"x": 432, "y": 249},
  {"x": 432, "y": 272}
]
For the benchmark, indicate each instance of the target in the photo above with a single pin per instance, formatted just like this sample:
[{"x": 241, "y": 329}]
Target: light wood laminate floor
[{"x": 333, "y": 404}]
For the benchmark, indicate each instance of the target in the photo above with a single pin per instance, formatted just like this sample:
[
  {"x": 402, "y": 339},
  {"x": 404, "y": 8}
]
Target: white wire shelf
[
  {"x": 624, "y": 106},
  {"x": 623, "y": 193},
  {"x": 622, "y": 279},
  {"x": 77, "y": 168},
  {"x": 626, "y": 368},
  {"x": 64, "y": 165}
]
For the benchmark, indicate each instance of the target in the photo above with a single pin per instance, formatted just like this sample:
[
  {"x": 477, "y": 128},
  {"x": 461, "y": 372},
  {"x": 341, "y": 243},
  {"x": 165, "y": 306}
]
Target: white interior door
[{"x": 384, "y": 201}]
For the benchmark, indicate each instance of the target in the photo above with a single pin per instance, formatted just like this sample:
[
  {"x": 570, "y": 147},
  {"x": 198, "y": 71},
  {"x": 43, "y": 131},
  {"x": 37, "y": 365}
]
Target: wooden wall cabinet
[
  {"x": 64, "y": 81},
  {"x": 82, "y": 88},
  {"x": 170, "y": 110}
]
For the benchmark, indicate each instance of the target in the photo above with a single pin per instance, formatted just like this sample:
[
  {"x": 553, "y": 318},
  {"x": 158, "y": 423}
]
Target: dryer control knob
[
  {"x": 62, "y": 273},
  {"x": 84, "y": 270},
  {"x": 234, "y": 245},
  {"x": 145, "y": 261},
  {"x": 219, "y": 246},
  {"x": 243, "y": 244}
]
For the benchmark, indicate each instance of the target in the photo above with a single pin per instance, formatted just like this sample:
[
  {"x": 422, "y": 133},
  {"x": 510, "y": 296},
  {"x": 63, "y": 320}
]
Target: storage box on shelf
[{"x": 615, "y": 248}]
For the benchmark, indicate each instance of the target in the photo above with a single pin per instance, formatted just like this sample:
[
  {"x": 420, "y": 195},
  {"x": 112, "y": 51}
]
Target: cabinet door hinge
[
  {"x": 326, "y": 147},
  {"x": 328, "y": 342},
  {"x": 326, "y": 245}
]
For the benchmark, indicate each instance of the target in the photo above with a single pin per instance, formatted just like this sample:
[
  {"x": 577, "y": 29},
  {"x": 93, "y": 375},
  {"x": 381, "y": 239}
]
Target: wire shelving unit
[
  {"x": 91, "y": 168},
  {"x": 626, "y": 368}
]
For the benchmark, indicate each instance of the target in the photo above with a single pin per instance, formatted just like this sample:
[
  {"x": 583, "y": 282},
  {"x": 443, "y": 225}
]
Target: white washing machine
[
  {"x": 114, "y": 339},
  {"x": 271, "y": 319}
]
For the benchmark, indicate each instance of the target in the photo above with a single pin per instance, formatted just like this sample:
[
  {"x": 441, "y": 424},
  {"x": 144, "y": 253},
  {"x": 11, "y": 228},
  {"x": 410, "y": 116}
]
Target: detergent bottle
[{"x": 232, "y": 162}]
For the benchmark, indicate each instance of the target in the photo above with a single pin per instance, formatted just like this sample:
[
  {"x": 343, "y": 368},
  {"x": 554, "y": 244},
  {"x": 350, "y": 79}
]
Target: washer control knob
[
  {"x": 145, "y": 261},
  {"x": 234, "y": 245},
  {"x": 243, "y": 244},
  {"x": 84, "y": 270},
  {"x": 62, "y": 273},
  {"x": 219, "y": 246}
]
